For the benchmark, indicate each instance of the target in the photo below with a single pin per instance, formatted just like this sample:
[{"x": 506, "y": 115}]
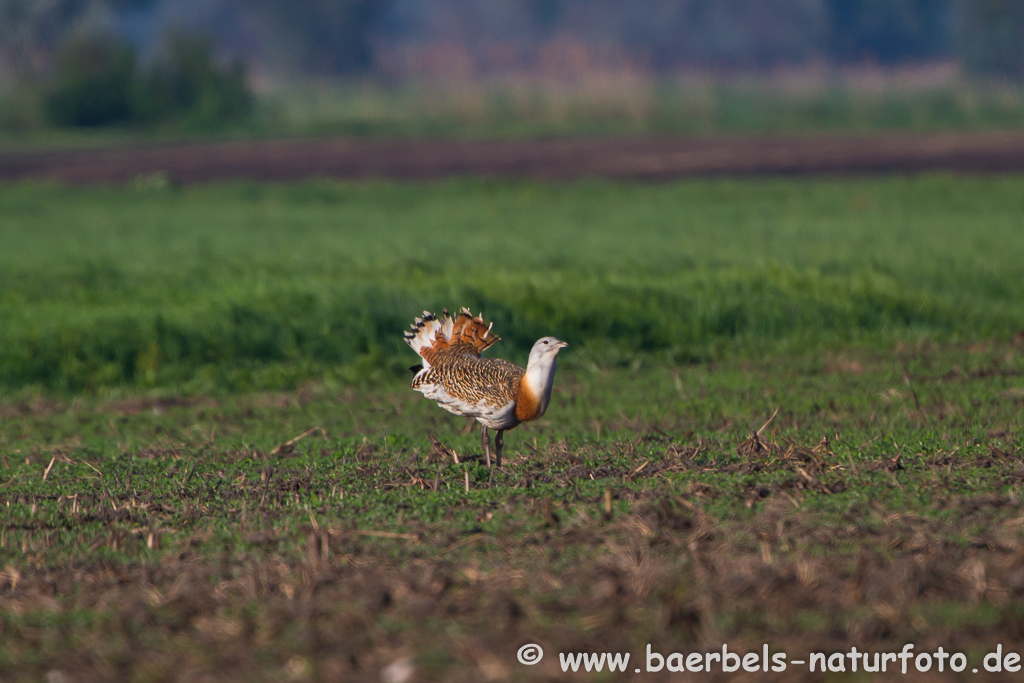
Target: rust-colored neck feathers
[
  {"x": 534, "y": 389},
  {"x": 528, "y": 402}
]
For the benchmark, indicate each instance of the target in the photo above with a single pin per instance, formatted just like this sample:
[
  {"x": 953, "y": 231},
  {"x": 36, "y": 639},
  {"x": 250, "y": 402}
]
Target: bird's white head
[
  {"x": 540, "y": 371},
  {"x": 545, "y": 350}
]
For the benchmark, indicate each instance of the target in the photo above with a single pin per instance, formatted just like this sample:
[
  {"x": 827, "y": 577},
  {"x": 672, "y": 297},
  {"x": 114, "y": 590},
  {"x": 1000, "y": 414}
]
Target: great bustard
[{"x": 499, "y": 394}]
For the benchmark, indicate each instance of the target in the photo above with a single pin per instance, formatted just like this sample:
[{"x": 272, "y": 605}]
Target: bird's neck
[{"x": 536, "y": 384}]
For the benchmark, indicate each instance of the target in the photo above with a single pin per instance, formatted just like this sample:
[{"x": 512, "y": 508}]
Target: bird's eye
[{"x": 545, "y": 342}]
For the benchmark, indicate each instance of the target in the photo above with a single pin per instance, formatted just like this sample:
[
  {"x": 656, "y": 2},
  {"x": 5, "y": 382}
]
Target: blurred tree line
[
  {"x": 985, "y": 36},
  {"x": 96, "y": 71},
  {"x": 98, "y": 82},
  {"x": 75, "y": 70}
]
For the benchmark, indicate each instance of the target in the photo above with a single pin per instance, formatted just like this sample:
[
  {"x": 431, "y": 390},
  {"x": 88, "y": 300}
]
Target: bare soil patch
[
  {"x": 568, "y": 159},
  {"x": 350, "y": 602}
]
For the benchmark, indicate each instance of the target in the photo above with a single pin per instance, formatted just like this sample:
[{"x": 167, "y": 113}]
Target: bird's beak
[{"x": 562, "y": 344}]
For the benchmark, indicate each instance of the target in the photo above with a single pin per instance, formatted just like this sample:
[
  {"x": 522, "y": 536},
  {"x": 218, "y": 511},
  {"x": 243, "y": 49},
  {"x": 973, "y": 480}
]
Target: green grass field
[
  {"x": 624, "y": 104},
  {"x": 790, "y": 414},
  {"x": 247, "y": 287},
  {"x": 588, "y": 104}
]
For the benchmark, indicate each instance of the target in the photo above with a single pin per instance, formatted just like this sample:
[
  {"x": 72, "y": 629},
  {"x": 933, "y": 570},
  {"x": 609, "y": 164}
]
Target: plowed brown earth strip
[{"x": 638, "y": 158}]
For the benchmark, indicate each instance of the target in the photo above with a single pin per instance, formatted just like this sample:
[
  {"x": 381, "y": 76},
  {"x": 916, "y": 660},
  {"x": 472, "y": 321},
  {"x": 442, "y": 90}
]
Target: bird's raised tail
[{"x": 431, "y": 334}]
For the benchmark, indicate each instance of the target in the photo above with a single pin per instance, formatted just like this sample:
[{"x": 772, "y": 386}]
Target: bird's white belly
[{"x": 495, "y": 417}]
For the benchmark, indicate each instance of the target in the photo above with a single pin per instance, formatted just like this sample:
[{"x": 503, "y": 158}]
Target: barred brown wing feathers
[{"x": 492, "y": 381}]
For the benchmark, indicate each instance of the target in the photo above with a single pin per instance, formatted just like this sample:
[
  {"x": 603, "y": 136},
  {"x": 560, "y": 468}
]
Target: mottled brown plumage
[
  {"x": 470, "y": 378},
  {"x": 499, "y": 394}
]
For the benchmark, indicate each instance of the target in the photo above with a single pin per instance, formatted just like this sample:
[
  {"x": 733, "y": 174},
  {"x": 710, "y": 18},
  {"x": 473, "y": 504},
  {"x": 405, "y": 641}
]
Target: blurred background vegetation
[
  {"x": 256, "y": 286},
  {"x": 251, "y": 286},
  {"x": 482, "y": 67}
]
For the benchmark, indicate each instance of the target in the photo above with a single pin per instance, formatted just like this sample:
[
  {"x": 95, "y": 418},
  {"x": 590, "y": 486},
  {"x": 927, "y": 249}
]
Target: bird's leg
[
  {"x": 499, "y": 441},
  {"x": 486, "y": 441}
]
